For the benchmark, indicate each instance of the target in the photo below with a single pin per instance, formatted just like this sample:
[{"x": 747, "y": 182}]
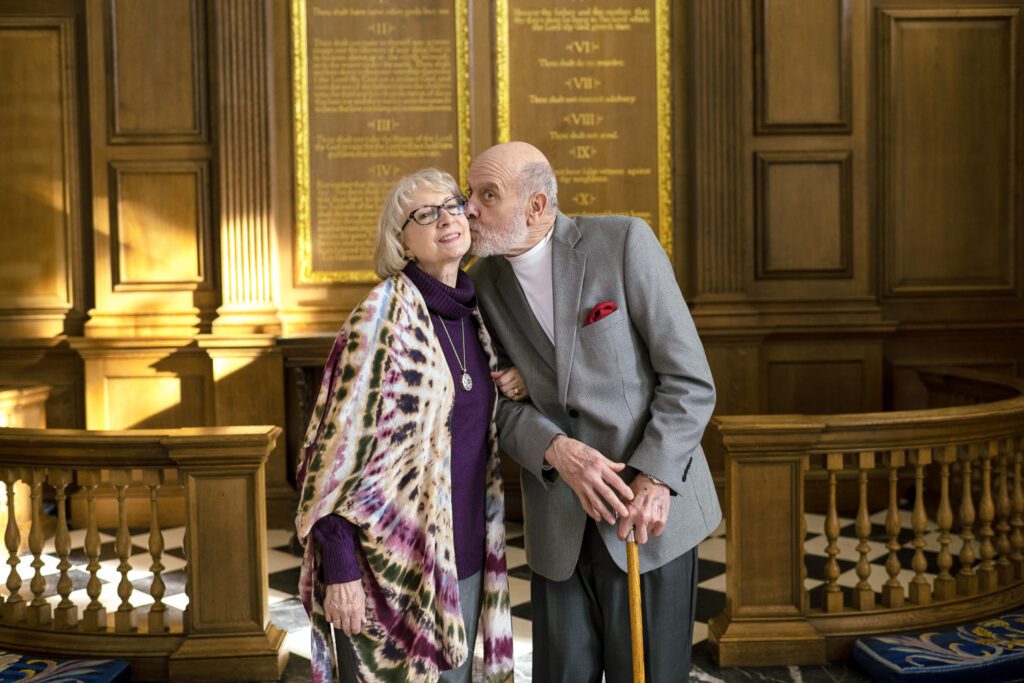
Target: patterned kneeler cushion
[
  {"x": 44, "y": 668},
  {"x": 988, "y": 651}
]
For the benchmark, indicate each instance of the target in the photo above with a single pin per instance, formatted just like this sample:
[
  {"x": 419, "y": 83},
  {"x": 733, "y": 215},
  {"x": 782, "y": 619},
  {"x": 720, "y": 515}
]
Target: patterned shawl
[{"x": 378, "y": 452}]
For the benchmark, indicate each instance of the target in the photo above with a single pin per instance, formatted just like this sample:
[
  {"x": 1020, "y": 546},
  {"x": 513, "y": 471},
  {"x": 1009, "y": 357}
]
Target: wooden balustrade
[
  {"x": 224, "y": 632},
  {"x": 957, "y": 470}
]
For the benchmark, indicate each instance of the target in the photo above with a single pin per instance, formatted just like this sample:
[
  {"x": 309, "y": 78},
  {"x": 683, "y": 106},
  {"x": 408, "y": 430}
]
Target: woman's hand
[
  {"x": 345, "y": 606},
  {"x": 510, "y": 383}
]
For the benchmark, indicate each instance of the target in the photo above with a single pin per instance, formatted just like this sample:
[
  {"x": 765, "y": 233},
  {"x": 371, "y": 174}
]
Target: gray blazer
[{"x": 635, "y": 386}]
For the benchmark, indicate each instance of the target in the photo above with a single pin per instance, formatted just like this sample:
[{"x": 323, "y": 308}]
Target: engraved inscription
[
  {"x": 382, "y": 100},
  {"x": 583, "y": 87}
]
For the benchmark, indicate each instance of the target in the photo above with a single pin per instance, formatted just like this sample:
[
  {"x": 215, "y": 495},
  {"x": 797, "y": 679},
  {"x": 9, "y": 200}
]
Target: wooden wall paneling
[
  {"x": 140, "y": 119},
  {"x": 802, "y": 66},
  {"x": 822, "y": 377},
  {"x": 40, "y": 265},
  {"x": 50, "y": 362},
  {"x": 949, "y": 99},
  {"x": 157, "y": 71},
  {"x": 159, "y": 230},
  {"x": 993, "y": 350},
  {"x": 803, "y": 215},
  {"x": 810, "y": 225},
  {"x": 135, "y": 385}
]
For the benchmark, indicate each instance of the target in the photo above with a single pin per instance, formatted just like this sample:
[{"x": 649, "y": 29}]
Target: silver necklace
[{"x": 465, "y": 379}]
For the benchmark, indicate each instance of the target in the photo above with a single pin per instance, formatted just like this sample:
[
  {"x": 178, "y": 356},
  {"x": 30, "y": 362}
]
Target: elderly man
[{"x": 590, "y": 312}]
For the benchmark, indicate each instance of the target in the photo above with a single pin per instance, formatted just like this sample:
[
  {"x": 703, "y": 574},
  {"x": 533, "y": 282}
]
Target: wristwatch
[{"x": 655, "y": 480}]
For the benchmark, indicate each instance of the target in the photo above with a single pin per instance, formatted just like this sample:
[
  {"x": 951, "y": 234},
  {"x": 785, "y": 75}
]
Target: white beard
[{"x": 499, "y": 241}]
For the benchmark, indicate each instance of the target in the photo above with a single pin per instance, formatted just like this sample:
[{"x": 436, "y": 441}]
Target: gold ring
[{"x": 515, "y": 392}]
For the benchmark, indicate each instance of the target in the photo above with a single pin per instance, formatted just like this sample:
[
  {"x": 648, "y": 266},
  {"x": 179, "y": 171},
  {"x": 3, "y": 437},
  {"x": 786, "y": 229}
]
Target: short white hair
[
  {"x": 388, "y": 253},
  {"x": 537, "y": 176}
]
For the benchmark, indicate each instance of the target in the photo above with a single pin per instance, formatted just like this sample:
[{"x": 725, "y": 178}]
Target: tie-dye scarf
[{"x": 378, "y": 452}]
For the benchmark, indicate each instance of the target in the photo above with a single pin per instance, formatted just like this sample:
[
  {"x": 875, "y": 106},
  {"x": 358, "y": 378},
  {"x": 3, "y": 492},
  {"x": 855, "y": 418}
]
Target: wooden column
[
  {"x": 247, "y": 262},
  {"x": 764, "y": 512},
  {"x": 247, "y": 369},
  {"x": 248, "y": 376},
  {"x": 228, "y": 618}
]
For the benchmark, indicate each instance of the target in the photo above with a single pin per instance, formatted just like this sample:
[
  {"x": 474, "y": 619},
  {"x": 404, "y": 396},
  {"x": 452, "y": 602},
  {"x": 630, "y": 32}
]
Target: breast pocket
[{"x": 597, "y": 366}]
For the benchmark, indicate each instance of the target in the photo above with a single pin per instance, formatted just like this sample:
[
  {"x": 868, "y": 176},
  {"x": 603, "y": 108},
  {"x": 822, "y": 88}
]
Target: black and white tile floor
[{"x": 287, "y": 613}]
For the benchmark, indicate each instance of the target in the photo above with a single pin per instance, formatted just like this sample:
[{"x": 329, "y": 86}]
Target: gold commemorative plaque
[
  {"x": 588, "y": 83},
  {"x": 380, "y": 90}
]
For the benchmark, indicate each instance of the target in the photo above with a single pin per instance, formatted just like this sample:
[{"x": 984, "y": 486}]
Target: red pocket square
[{"x": 599, "y": 311}]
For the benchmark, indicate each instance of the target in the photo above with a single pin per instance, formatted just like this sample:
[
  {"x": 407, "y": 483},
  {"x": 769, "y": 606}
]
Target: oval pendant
[{"x": 467, "y": 382}]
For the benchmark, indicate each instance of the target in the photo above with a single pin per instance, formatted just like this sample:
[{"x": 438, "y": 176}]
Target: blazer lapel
[
  {"x": 567, "y": 268},
  {"x": 519, "y": 307}
]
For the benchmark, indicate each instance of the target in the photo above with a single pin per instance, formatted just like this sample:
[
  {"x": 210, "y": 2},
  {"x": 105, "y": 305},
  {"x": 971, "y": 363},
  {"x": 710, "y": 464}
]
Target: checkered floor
[{"x": 287, "y": 612}]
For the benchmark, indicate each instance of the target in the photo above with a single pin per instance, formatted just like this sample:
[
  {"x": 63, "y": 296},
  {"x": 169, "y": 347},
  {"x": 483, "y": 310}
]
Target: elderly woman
[{"x": 401, "y": 508}]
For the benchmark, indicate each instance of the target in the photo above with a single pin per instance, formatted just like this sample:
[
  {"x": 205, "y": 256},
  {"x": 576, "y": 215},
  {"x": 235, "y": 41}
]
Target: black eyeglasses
[{"x": 428, "y": 213}]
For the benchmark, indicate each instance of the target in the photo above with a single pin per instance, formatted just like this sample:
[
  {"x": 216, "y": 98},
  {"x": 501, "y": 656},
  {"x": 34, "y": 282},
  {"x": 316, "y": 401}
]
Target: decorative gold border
[
  {"x": 462, "y": 87},
  {"x": 663, "y": 81},
  {"x": 305, "y": 275},
  {"x": 501, "y": 50},
  {"x": 663, "y": 44}
]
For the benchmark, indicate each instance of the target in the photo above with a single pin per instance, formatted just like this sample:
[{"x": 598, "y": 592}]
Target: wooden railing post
[
  {"x": 765, "y": 612},
  {"x": 227, "y": 623},
  {"x": 1017, "y": 536}
]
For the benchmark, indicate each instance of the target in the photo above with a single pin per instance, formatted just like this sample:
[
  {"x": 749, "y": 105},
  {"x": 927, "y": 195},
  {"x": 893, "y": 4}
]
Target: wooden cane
[{"x": 636, "y": 624}]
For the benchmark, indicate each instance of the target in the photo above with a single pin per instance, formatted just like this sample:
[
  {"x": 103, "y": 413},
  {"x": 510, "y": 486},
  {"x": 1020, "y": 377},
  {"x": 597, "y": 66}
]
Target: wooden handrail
[
  {"x": 769, "y": 459},
  {"x": 225, "y": 632}
]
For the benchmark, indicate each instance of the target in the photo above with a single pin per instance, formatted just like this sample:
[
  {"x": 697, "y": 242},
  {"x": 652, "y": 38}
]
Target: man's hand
[
  {"x": 648, "y": 512},
  {"x": 345, "y": 606},
  {"x": 591, "y": 476}
]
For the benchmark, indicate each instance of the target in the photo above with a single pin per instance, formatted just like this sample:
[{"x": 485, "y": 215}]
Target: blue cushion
[
  {"x": 988, "y": 651},
  {"x": 41, "y": 668}
]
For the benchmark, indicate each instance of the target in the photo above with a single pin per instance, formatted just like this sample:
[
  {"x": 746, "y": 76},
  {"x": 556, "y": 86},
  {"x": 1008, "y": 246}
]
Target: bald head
[
  {"x": 513, "y": 198},
  {"x": 513, "y": 154},
  {"x": 524, "y": 168}
]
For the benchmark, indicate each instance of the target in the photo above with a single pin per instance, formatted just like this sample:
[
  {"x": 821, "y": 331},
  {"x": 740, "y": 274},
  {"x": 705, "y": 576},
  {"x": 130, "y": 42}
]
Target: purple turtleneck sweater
[{"x": 471, "y": 417}]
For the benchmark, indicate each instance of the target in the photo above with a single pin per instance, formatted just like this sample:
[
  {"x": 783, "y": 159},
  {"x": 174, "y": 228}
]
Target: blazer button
[{"x": 573, "y": 413}]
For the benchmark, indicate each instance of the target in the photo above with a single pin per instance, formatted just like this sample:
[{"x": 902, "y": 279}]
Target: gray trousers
[
  {"x": 581, "y": 625},
  {"x": 470, "y": 600}
]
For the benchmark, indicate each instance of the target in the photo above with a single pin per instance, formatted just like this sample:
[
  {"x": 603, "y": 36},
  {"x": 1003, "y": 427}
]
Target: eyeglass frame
[{"x": 462, "y": 201}]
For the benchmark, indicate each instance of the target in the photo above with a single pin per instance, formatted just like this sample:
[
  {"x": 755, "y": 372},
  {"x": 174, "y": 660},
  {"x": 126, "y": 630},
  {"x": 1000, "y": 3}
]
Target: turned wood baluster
[
  {"x": 920, "y": 591},
  {"x": 124, "y": 618},
  {"x": 1017, "y": 536},
  {"x": 95, "y": 616},
  {"x": 158, "y": 610},
  {"x": 833, "y": 595},
  {"x": 805, "y": 466},
  {"x": 988, "y": 579},
  {"x": 14, "y": 607},
  {"x": 967, "y": 578},
  {"x": 66, "y": 614},
  {"x": 892, "y": 591},
  {"x": 944, "y": 585},
  {"x": 1004, "y": 567},
  {"x": 863, "y": 595},
  {"x": 39, "y": 612}
]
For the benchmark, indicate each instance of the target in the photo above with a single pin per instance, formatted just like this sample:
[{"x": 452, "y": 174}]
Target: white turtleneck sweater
[{"x": 533, "y": 270}]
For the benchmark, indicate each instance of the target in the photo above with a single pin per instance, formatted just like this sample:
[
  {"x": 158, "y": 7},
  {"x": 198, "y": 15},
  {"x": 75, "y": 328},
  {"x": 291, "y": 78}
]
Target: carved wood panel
[
  {"x": 803, "y": 215},
  {"x": 159, "y": 227},
  {"x": 802, "y": 66},
  {"x": 39, "y": 176},
  {"x": 949, "y": 109},
  {"x": 156, "y": 60}
]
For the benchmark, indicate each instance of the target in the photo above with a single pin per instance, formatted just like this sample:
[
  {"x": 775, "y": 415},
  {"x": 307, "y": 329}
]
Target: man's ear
[{"x": 536, "y": 205}]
